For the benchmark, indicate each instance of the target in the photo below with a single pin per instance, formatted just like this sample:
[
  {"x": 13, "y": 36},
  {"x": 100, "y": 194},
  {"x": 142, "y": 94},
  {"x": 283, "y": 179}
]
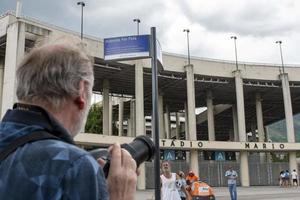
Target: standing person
[
  {"x": 191, "y": 177},
  {"x": 231, "y": 176},
  {"x": 281, "y": 178},
  {"x": 54, "y": 88},
  {"x": 287, "y": 178},
  {"x": 181, "y": 184},
  {"x": 294, "y": 177},
  {"x": 168, "y": 183}
]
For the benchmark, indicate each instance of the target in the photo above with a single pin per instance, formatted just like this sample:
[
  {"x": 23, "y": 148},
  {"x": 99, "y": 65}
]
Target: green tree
[{"x": 94, "y": 119}]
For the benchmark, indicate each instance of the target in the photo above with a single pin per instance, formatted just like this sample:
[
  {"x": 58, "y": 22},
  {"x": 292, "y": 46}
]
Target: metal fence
[{"x": 212, "y": 172}]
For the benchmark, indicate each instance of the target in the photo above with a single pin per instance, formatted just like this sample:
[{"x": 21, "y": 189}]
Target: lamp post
[
  {"x": 138, "y": 21},
  {"x": 236, "y": 61},
  {"x": 280, "y": 42},
  {"x": 188, "y": 44},
  {"x": 82, "y": 4}
]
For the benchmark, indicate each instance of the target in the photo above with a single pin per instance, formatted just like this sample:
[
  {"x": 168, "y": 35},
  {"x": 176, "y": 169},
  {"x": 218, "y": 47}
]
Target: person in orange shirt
[
  {"x": 191, "y": 177},
  {"x": 201, "y": 190}
]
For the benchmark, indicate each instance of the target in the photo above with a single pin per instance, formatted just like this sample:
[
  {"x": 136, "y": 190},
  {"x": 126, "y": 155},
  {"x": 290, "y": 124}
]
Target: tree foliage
[{"x": 94, "y": 119}]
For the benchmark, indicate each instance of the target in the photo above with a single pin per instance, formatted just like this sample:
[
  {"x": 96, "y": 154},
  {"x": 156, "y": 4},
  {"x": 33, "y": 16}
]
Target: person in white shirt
[
  {"x": 294, "y": 177},
  {"x": 168, "y": 183},
  {"x": 231, "y": 176}
]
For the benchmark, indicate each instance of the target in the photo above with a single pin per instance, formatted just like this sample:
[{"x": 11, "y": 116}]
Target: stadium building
[{"x": 232, "y": 130}]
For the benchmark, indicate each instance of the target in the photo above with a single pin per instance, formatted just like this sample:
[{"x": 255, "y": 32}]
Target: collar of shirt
[{"x": 35, "y": 115}]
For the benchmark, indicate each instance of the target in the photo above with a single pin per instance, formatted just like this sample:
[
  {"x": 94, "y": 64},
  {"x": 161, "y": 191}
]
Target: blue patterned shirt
[{"x": 46, "y": 169}]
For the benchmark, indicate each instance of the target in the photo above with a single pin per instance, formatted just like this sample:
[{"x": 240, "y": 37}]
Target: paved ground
[{"x": 244, "y": 193}]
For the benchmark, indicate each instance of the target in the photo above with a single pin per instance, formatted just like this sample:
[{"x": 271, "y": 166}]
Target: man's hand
[{"x": 122, "y": 176}]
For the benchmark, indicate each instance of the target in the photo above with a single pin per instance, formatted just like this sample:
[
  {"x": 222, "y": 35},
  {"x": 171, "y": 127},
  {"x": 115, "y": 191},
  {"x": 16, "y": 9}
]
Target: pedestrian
[
  {"x": 281, "y": 179},
  {"x": 181, "y": 185},
  {"x": 168, "y": 180},
  {"x": 191, "y": 177},
  {"x": 54, "y": 89},
  {"x": 231, "y": 176},
  {"x": 287, "y": 178},
  {"x": 294, "y": 177}
]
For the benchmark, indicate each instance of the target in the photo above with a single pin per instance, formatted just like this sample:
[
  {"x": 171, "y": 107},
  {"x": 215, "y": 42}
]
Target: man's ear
[{"x": 81, "y": 99}]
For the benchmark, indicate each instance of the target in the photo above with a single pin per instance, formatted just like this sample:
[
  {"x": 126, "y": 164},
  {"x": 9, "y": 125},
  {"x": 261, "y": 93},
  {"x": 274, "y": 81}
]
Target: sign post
[
  {"x": 139, "y": 47},
  {"x": 155, "y": 123}
]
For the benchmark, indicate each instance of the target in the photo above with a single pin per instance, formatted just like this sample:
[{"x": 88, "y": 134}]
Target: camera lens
[{"x": 141, "y": 149}]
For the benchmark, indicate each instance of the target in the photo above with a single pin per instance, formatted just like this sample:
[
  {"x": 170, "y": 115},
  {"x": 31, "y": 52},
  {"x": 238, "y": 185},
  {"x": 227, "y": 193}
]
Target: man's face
[{"x": 165, "y": 167}]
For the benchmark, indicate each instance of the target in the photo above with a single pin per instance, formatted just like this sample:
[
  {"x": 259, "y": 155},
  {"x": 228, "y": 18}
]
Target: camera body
[{"x": 141, "y": 149}]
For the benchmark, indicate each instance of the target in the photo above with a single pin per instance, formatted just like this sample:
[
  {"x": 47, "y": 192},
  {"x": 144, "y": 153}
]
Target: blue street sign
[
  {"x": 127, "y": 47},
  {"x": 220, "y": 155},
  {"x": 169, "y": 154}
]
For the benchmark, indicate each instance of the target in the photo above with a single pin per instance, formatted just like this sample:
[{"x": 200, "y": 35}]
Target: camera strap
[{"x": 32, "y": 137}]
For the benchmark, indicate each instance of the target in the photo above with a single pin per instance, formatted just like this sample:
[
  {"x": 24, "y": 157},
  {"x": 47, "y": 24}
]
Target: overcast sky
[{"x": 256, "y": 23}]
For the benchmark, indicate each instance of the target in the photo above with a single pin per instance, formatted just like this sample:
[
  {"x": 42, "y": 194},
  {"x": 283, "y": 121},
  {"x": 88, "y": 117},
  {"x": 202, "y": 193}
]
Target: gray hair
[{"x": 50, "y": 75}]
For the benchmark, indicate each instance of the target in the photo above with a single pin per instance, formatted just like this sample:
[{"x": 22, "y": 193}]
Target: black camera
[{"x": 141, "y": 149}]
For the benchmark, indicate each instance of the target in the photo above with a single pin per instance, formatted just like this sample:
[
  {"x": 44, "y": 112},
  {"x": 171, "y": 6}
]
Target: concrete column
[
  {"x": 139, "y": 114},
  {"x": 293, "y": 161},
  {"x": 186, "y": 127},
  {"x": 260, "y": 124},
  {"x": 210, "y": 116},
  {"x": 235, "y": 124},
  {"x": 235, "y": 131},
  {"x": 132, "y": 119},
  {"x": 288, "y": 110},
  {"x": 1, "y": 80},
  {"x": 259, "y": 118},
  {"x": 177, "y": 125},
  {"x": 162, "y": 133},
  {"x": 129, "y": 127},
  {"x": 244, "y": 168},
  {"x": 110, "y": 120},
  {"x": 190, "y": 85},
  {"x": 191, "y": 102},
  {"x": 121, "y": 112},
  {"x": 15, "y": 47},
  {"x": 240, "y": 106},
  {"x": 167, "y": 123},
  {"x": 288, "y": 107},
  {"x": 105, "y": 105},
  {"x": 139, "y": 101}
]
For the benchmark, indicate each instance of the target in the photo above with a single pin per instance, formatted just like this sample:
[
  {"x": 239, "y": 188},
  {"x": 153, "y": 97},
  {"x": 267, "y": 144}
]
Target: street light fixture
[
  {"x": 280, "y": 42},
  {"x": 138, "y": 21},
  {"x": 236, "y": 61},
  {"x": 82, "y": 4},
  {"x": 188, "y": 44}
]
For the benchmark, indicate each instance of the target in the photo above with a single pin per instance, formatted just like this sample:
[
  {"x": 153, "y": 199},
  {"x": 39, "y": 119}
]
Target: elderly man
[{"x": 54, "y": 88}]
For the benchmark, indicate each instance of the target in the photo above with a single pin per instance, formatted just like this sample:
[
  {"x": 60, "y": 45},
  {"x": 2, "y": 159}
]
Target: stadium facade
[{"x": 240, "y": 102}]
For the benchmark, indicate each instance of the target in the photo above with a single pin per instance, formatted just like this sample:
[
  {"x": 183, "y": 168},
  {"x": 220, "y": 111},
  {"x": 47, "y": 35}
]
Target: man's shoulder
[
  {"x": 57, "y": 158},
  {"x": 57, "y": 150}
]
